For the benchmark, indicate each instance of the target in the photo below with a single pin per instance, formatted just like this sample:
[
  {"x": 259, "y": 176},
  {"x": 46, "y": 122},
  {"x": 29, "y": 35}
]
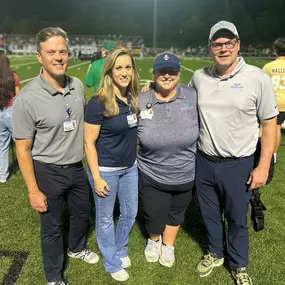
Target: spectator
[
  {"x": 94, "y": 72},
  {"x": 276, "y": 70},
  {"x": 9, "y": 87}
]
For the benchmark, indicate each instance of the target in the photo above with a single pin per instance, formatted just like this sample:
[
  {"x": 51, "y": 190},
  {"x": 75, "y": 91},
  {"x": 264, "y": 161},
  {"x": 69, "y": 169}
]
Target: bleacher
[{"x": 81, "y": 46}]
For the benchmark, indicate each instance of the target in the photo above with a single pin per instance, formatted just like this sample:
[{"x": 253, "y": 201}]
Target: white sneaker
[
  {"x": 152, "y": 250},
  {"x": 86, "y": 255},
  {"x": 121, "y": 275},
  {"x": 167, "y": 257},
  {"x": 56, "y": 283},
  {"x": 126, "y": 262},
  {"x": 3, "y": 180}
]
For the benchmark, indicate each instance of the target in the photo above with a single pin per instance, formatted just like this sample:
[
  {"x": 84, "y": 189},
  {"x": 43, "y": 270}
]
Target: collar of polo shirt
[
  {"x": 51, "y": 90},
  {"x": 178, "y": 95},
  {"x": 241, "y": 64}
]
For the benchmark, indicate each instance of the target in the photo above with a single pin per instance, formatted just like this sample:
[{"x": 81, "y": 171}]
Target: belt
[
  {"x": 218, "y": 159},
  {"x": 63, "y": 166}
]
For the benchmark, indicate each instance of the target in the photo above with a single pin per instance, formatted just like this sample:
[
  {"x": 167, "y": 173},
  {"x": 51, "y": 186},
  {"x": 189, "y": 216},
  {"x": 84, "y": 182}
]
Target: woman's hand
[{"x": 101, "y": 188}]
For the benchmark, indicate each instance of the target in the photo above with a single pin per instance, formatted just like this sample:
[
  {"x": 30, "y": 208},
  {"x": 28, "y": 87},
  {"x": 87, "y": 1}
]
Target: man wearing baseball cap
[
  {"x": 93, "y": 77},
  {"x": 234, "y": 98}
]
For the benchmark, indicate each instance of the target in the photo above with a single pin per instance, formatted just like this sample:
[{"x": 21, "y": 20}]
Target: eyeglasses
[
  {"x": 218, "y": 46},
  {"x": 169, "y": 71}
]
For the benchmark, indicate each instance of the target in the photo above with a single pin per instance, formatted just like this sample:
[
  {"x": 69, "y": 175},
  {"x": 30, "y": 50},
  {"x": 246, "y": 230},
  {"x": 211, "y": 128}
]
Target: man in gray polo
[
  {"x": 233, "y": 99},
  {"x": 48, "y": 128}
]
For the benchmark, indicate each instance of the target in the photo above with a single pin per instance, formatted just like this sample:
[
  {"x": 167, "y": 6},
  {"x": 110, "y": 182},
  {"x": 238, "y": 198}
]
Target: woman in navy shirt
[{"x": 110, "y": 131}]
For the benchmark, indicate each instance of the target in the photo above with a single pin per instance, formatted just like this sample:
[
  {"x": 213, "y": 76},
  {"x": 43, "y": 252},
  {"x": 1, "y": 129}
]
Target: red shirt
[{"x": 17, "y": 83}]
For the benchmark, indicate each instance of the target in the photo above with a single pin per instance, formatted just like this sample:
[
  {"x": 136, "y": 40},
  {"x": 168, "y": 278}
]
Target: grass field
[{"x": 20, "y": 253}]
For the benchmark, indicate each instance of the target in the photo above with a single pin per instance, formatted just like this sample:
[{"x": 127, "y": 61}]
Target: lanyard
[
  {"x": 68, "y": 110},
  {"x": 129, "y": 103}
]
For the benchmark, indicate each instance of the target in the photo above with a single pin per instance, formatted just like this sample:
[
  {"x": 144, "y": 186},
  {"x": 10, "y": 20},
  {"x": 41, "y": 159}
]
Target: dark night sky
[
  {"x": 59, "y": 10},
  {"x": 256, "y": 20}
]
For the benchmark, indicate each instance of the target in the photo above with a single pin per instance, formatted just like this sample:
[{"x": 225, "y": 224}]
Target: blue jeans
[
  {"x": 5, "y": 138},
  {"x": 113, "y": 244}
]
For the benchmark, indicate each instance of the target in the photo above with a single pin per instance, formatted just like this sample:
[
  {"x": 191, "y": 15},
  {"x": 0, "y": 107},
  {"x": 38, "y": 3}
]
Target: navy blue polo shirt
[{"x": 116, "y": 144}]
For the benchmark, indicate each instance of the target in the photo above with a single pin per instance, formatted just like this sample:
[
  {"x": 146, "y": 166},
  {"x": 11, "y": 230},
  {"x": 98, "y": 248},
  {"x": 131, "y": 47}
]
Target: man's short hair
[
  {"x": 279, "y": 47},
  {"x": 46, "y": 33}
]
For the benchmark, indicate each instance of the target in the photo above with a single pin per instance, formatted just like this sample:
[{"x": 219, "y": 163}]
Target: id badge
[
  {"x": 146, "y": 114},
  {"x": 132, "y": 120},
  {"x": 69, "y": 126}
]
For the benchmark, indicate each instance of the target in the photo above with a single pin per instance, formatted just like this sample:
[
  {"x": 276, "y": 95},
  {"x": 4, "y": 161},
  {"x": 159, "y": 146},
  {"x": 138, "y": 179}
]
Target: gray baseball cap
[{"x": 223, "y": 25}]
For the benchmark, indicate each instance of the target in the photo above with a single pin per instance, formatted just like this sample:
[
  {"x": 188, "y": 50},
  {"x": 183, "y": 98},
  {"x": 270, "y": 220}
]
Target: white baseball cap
[{"x": 223, "y": 25}]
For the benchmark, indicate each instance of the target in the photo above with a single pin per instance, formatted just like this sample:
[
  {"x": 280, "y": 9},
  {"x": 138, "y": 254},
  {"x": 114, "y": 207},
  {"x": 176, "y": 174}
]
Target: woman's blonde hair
[{"x": 106, "y": 91}]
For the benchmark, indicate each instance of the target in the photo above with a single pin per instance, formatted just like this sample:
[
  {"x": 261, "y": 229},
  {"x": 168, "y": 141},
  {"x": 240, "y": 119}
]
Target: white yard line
[
  {"x": 205, "y": 60},
  {"x": 20, "y": 57},
  {"x": 26, "y": 80},
  {"x": 24, "y": 64},
  {"x": 82, "y": 63},
  {"x": 188, "y": 69},
  {"x": 29, "y": 79},
  {"x": 145, "y": 81}
]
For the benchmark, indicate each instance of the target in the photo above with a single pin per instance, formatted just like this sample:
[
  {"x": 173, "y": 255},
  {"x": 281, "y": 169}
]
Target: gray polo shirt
[
  {"x": 39, "y": 112},
  {"x": 167, "y": 141},
  {"x": 230, "y": 109}
]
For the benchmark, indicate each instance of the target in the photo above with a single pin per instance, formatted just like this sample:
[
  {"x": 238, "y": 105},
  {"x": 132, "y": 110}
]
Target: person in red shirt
[{"x": 9, "y": 88}]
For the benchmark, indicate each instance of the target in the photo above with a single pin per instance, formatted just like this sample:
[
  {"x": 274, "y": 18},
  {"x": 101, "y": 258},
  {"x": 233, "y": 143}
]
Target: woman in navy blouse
[{"x": 110, "y": 133}]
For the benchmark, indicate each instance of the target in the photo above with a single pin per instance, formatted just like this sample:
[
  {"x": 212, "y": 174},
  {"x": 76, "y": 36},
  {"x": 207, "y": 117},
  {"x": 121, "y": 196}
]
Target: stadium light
[{"x": 154, "y": 22}]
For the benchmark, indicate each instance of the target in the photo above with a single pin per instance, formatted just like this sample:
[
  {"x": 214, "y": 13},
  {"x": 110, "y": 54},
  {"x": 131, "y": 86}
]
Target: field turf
[{"x": 20, "y": 254}]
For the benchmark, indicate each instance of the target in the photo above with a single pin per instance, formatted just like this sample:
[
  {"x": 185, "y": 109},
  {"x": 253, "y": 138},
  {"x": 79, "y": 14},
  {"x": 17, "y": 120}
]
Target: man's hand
[
  {"x": 24, "y": 154},
  {"x": 38, "y": 201},
  {"x": 146, "y": 87},
  {"x": 101, "y": 188},
  {"x": 257, "y": 177}
]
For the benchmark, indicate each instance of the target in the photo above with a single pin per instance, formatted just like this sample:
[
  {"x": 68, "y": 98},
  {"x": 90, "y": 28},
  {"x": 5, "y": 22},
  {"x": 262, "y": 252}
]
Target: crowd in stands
[
  {"x": 84, "y": 46},
  {"x": 252, "y": 51}
]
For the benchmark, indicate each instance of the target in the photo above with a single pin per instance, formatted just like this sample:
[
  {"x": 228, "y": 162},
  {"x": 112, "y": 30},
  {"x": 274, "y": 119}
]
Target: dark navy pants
[
  {"x": 222, "y": 191},
  {"x": 59, "y": 185}
]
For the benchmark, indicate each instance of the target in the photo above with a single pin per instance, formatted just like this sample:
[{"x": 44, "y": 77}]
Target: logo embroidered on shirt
[
  {"x": 185, "y": 107},
  {"x": 237, "y": 86},
  {"x": 78, "y": 99}
]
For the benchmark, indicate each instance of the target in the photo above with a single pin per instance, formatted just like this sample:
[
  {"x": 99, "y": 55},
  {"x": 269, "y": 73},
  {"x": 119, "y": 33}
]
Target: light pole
[{"x": 154, "y": 22}]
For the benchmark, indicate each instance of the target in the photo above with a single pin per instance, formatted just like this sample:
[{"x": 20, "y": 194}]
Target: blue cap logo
[
  {"x": 166, "y": 57},
  {"x": 166, "y": 60}
]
